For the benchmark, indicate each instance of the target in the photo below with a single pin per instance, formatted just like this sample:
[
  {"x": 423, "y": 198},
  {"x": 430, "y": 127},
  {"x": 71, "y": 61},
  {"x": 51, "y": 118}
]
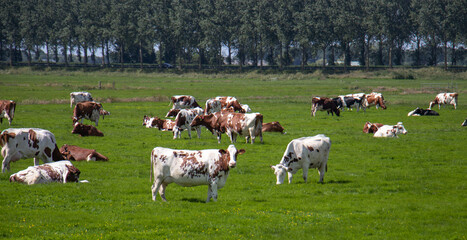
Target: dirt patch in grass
[{"x": 101, "y": 100}]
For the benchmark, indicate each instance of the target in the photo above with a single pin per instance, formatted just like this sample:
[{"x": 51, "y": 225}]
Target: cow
[
  {"x": 230, "y": 102},
  {"x": 324, "y": 104},
  {"x": 75, "y": 153},
  {"x": 423, "y": 112},
  {"x": 192, "y": 168},
  {"x": 464, "y": 123},
  {"x": 76, "y": 97},
  {"x": 371, "y": 127},
  {"x": 304, "y": 153},
  {"x": 174, "y": 112},
  {"x": 7, "y": 110},
  {"x": 374, "y": 98},
  {"x": 445, "y": 98},
  {"x": 390, "y": 130},
  {"x": 161, "y": 124},
  {"x": 183, "y": 101},
  {"x": 183, "y": 121},
  {"x": 86, "y": 130},
  {"x": 246, "y": 124},
  {"x": 88, "y": 110},
  {"x": 212, "y": 106},
  {"x": 349, "y": 102},
  {"x": 22, "y": 143},
  {"x": 246, "y": 108},
  {"x": 61, "y": 171},
  {"x": 273, "y": 127}
]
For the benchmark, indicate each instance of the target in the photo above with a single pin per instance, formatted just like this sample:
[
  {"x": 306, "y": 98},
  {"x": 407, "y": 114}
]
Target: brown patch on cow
[
  {"x": 86, "y": 130},
  {"x": 310, "y": 148},
  {"x": 33, "y": 138},
  {"x": 75, "y": 153},
  {"x": 5, "y": 137},
  {"x": 73, "y": 174},
  {"x": 222, "y": 164},
  {"x": 51, "y": 172},
  {"x": 190, "y": 165},
  {"x": 48, "y": 152}
]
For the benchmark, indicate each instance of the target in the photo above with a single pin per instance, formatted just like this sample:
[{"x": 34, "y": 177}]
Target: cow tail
[
  {"x": 259, "y": 124},
  {"x": 12, "y": 110},
  {"x": 153, "y": 160}
]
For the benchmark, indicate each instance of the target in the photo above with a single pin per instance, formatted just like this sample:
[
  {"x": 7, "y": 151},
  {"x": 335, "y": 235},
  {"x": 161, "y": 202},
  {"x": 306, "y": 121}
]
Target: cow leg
[
  {"x": 252, "y": 135},
  {"x": 289, "y": 176},
  {"x": 189, "y": 132},
  {"x": 305, "y": 173},
  {"x": 36, "y": 161},
  {"x": 5, "y": 164},
  {"x": 219, "y": 136},
  {"x": 212, "y": 192},
  {"x": 322, "y": 170},
  {"x": 155, "y": 188},
  {"x": 96, "y": 122},
  {"x": 198, "y": 131},
  {"x": 162, "y": 191}
]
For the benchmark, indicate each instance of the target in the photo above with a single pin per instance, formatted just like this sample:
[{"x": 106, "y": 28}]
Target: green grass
[{"x": 413, "y": 187}]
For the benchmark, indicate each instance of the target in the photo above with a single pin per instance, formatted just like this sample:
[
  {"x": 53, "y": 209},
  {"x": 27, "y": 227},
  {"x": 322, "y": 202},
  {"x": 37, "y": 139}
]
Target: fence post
[{"x": 100, "y": 85}]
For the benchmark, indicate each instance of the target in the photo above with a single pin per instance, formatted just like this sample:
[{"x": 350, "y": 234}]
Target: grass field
[{"x": 412, "y": 187}]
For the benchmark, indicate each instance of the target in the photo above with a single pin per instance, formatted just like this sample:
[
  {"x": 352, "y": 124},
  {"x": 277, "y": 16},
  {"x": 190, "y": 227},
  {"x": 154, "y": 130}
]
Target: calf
[
  {"x": 273, "y": 127},
  {"x": 7, "y": 110},
  {"x": 304, "y": 153},
  {"x": 212, "y": 106},
  {"x": 183, "y": 101},
  {"x": 422, "y": 112},
  {"x": 324, "y": 104},
  {"x": 75, "y": 153},
  {"x": 88, "y": 110},
  {"x": 390, "y": 130},
  {"x": 183, "y": 121},
  {"x": 376, "y": 99},
  {"x": 61, "y": 171},
  {"x": 21, "y": 143},
  {"x": 164, "y": 125},
  {"x": 445, "y": 98},
  {"x": 230, "y": 102},
  {"x": 76, "y": 97},
  {"x": 371, "y": 127},
  {"x": 192, "y": 168},
  {"x": 86, "y": 130}
]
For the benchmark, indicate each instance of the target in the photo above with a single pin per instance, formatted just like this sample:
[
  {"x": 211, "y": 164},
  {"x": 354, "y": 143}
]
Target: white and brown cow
[
  {"x": 86, "y": 130},
  {"x": 212, "y": 106},
  {"x": 371, "y": 127},
  {"x": 21, "y": 143},
  {"x": 183, "y": 121},
  {"x": 230, "y": 102},
  {"x": 246, "y": 124},
  {"x": 192, "y": 168},
  {"x": 75, "y": 153},
  {"x": 183, "y": 102},
  {"x": 161, "y": 124},
  {"x": 7, "y": 110},
  {"x": 76, "y": 97},
  {"x": 61, "y": 171},
  {"x": 376, "y": 99},
  {"x": 324, "y": 104},
  {"x": 304, "y": 153},
  {"x": 273, "y": 127},
  {"x": 88, "y": 110},
  {"x": 390, "y": 130},
  {"x": 445, "y": 98}
]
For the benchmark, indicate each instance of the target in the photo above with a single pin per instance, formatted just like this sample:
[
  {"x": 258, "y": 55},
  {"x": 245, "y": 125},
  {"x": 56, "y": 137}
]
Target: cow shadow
[
  {"x": 338, "y": 182},
  {"x": 194, "y": 200}
]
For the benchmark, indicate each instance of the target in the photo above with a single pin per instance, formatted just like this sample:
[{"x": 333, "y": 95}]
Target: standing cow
[
  {"x": 161, "y": 124},
  {"x": 88, "y": 110},
  {"x": 21, "y": 143},
  {"x": 192, "y": 168},
  {"x": 61, "y": 171},
  {"x": 445, "y": 98},
  {"x": 376, "y": 99},
  {"x": 324, "y": 104},
  {"x": 76, "y": 97},
  {"x": 304, "y": 153},
  {"x": 183, "y": 121},
  {"x": 183, "y": 102},
  {"x": 7, "y": 110}
]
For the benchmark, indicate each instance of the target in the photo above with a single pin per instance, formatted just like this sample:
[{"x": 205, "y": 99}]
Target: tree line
[{"x": 260, "y": 32}]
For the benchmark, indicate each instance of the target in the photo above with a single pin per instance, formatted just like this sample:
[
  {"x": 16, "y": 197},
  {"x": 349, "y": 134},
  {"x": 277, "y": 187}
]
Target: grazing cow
[
  {"x": 390, "y": 130},
  {"x": 422, "y": 112},
  {"x": 164, "y": 125},
  {"x": 230, "y": 102},
  {"x": 324, "y": 104},
  {"x": 273, "y": 127},
  {"x": 246, "y": 124},
  {"x": 75, "y": 153},
  {"x": 183, "y": 101},
  {"x": 464, "y": 123},
  {"x": 349, "y": 102},
  {"x": 76, "y": 97},
  {"x": 304, "y": 153},
  {"x": 374, "y": 98},
  {"x": 371, "y": 127},
  {"x": 21, "y": 143},
  {"x": 212, "y": 106},
  {"x": 183, "y": 121},
  {"x": 7, "y": 110},
  {"x": 192, "y": 168},
  {"x": 88, "y": 110},
  {"x": 445, "y": 98},
  {"x": 61, "y": 171},
  {"x": 86, "y": 130}
]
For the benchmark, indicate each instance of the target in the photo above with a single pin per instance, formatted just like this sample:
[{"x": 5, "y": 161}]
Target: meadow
[{"x": 411, "y": 187}]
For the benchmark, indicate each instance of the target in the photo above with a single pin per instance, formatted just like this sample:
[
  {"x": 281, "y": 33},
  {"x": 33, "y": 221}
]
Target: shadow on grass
[
  {"x": 338, "y": 182},
  {"x": 194, "y": 200}
]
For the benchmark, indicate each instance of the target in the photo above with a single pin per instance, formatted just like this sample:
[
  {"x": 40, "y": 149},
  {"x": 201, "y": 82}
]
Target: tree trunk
[
  {"x": 367, "y": 53},
  {"x": 380, "y": 52},
  {"x": 37, "y": 55},
  {"x": 78, "y": 52},
  {"x": 11, "y": 55},
  {"x": 141, "y": 54},
  {"x": 48, "y": 57},
  {"x": 303, "y": 58},
  {"x": 93, "y": 54},
  {"x": 70, "y": 55},
  {"x": 107, "y": 52},
  {"x": 324, "y": 56},
  {"x": 390, "y": 53},
  {"x": 229, "y": 58},
  {"x": 121, "y": 55},
  {"x": 56, "y": 53},
  {"x": 345, "y": 56},
  {"x": 85, "y": 48},
  {"x": 65, "y": 54},
  {"x": 103, "y": 54},
  {"x": 261, "y": 54},
  {"x": 280, "y": 56},
  {"x": 29, "y": 56},
  {"x": 453, "y": 55},
  {"x": 445, "y": 55},
  {"x": 417, "y": 53}
]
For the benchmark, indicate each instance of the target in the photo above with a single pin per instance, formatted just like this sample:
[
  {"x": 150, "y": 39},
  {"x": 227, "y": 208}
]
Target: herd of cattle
[{"x": 189, "y": 167}]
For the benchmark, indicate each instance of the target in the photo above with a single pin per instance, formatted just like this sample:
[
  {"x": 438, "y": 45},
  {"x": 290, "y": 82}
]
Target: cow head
[
  {"x": 172, "y": 113},
  {"x": 399, "y": 128},
  {"x": 72, "y": 174},
  {"x": 102, "y": 112},
  {"x": 280, "y": 171},
  {"x": 232, "y": 152},
  {"x": 198, "y": 120},
  {"x": 415, "y": 112}
]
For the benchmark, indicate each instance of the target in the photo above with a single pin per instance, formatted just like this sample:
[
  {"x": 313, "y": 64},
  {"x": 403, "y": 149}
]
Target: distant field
[{"x": 413, "y": 187}]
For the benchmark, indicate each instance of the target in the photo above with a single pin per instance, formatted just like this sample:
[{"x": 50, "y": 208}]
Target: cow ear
[
  {"x": 241, "y": 151},
  {"x": 222, "y": 151}
]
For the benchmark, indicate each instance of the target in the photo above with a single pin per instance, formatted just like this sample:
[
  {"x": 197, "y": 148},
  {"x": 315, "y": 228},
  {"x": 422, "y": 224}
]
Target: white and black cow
[
  {"x": 88, "y": 110},
  {"x": 7, "y": 110},
  {"x": 161, "y": 124},
  {"x": 304, "y": 153},
  {"x": 423, "y": 112},
  {"x": 61, "y": 171},
  {"x": 183, "y": 121},
  {"x": 445, "y": 98},
  {"x": 21, "y": 143},
  {"x": 324, "y": 104},
  {"x": 192, "y": 168},
  {"x": 464, "y": 123},
  {"x": 390, "y": 130},
  {"x": 76, "y": 97},
  {"x": 183, "y": 102},
  {"x": 349, "y": 102}
]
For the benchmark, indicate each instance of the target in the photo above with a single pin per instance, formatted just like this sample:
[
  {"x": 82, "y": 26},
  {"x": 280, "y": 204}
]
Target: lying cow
[
  {"x": 422, "y": 112},
  {"x": 230, "y": 102},
  {"x": 7, "y": 110},
  {"x": 445, "y": 98},
  {"x": 183, "y": 102},
  {"x": 390, "y": 130},
  {"x": 161, "y": 124},
  {"x": 371, "y": 127},
  {"x": 376, "y": 99},
  {"x": 246, "y": 124},
  {"x": 21, "y": 143},
  {"x": 324, "y": 104},
  {"x": 76, "y": 97},
  {"x": 273, "y": 127},
  {"x": 61, "y": 171},
  {"x": 183, "y": 121},
  {"x": 86, "y": 130},
  {"x": 75, "y": 153},
  {"x": 88, "y": 110},
  {"x": 304, "y": 153},
  {"x": 192, "y": 168},
  {"x": 464, "y": 123}
]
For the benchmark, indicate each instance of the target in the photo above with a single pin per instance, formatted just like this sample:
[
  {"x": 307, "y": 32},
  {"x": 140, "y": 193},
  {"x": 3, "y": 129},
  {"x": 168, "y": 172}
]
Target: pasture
[{"x": 412, "y": 187}]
